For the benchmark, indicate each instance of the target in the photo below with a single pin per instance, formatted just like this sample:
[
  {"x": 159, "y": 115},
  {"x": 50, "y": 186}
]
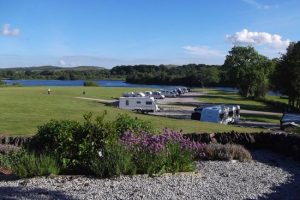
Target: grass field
[
  {"x": 261, "y": 118},
  {"x": 24, "y": 108},
  {"x": 218, "y": 96}
]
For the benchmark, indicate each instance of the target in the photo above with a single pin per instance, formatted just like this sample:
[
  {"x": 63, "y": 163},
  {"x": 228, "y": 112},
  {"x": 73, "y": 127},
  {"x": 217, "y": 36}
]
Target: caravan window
[
  {"x": 148, "y": 102},
  {"x": 127, "y": 102},
  {"x": 138, "y": 102},
  {"x": 222, "y": 116}
]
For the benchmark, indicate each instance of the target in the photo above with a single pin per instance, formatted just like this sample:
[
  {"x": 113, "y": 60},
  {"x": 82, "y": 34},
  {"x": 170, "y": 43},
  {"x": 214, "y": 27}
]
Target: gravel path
[{"x": 268, "y": 177}]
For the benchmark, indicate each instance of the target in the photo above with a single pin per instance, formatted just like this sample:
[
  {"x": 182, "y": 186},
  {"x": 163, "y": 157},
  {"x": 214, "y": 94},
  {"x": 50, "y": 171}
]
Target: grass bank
[{"x": 24, "y": 108}]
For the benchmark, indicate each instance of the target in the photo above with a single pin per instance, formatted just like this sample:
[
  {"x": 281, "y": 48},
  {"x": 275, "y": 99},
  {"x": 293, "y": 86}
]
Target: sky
[{"x": 107, "y": 33}]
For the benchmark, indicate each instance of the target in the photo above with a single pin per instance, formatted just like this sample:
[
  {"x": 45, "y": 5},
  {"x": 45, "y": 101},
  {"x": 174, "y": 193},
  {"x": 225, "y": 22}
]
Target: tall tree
[
  {"x": 286, "y": 77},
  {"x": 248, "y": 71}
]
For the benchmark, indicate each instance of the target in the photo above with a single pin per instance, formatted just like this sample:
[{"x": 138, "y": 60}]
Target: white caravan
[
  {"x": 218, "y": 114},
  {"x": 234, "y": 113},
  {"x": 140, "y": 104}
]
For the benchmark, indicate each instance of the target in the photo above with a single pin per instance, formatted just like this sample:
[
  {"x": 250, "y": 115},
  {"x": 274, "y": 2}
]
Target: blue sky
[{"x": 114, "y": 32}]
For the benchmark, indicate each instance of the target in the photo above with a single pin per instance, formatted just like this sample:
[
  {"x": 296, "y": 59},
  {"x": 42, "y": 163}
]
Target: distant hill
[
  {"x": 53, "y": 68},
  {"x": 86, "y": 68}
]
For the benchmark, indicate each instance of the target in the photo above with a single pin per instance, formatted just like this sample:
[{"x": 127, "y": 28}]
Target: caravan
[
  {"x": 219, "y": 114},
  {"x": 140, "y": 104}
]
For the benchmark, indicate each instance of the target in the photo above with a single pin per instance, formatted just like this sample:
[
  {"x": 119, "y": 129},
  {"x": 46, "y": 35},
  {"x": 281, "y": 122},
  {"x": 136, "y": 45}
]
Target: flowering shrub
[
  {"x": 166, "y": 152},
  {"x": 156, "y": 143}
]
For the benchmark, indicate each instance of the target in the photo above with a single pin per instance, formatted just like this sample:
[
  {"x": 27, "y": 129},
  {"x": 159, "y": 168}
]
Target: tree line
[
  {"x": 191, "y": 75},
  {"x": 57, "y": 73}
]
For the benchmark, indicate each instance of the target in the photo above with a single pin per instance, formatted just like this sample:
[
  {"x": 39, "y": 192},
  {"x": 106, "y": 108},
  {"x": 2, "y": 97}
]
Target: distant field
[
  {"x": 218, "y": 96},
  {"x": 222, "y": 97},
  {"x": 24, "y": 108}
]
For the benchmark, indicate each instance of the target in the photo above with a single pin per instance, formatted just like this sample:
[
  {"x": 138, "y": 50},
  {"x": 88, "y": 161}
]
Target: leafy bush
[
  {"x": 215, "y": 151},
  {"x": 112, "y": 160},
  {"x": 102, "y": 148},
  {"x": 16, "y": 84},
  {"x": 27, "y": 165},
  {"x": 5, "y": 160},
  {"x": 90, "y": 84},
  {"x": 72, "y": 143},
  {"x": 125, "y": 123}
]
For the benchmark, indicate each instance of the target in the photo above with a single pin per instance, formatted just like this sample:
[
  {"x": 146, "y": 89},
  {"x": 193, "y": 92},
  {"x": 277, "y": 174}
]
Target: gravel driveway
[{"x": 268, "y": 177}]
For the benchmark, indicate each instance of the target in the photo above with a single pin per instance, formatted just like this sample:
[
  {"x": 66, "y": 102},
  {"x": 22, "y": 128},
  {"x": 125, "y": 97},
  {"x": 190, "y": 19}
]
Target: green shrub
[
  {"x": 179, "y": 160},
  {"x": 72, "y": 143},
  {"x": 112, "y": 160},
  {"x": 90, "y": 84},
  {"x": 76, "y": 148},
  {"x": 126, "y": 123},
  {"x": 26, "y": 165},
  {"x": 5, "y": 160},
  {"x": 171, "y": 159},
  {"x": 215, "y": 151},
  {"x": 16, "y": 84}
]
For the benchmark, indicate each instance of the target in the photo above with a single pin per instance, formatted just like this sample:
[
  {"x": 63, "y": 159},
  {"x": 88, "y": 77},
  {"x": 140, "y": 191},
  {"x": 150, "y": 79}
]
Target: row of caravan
[
  {"x": 145, "y": 101},
  {"x": 154, "y": 94},
  {"x": 223, "y": 114},
  {"x": 159, "y": 94}
]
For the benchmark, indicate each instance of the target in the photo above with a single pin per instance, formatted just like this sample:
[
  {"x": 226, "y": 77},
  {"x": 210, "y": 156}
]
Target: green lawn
[
  {"x": 261, "y": 118},
  {"x": 222, "y": 97},
  {"x": 24, "y": 108}
]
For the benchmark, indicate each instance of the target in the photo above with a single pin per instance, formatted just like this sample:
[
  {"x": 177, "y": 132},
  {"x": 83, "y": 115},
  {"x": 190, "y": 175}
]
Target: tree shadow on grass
[
  {"x": 286, "y": 191},
  {"x": 20, "y": 192},
  {"x": 261, "y": 117}
]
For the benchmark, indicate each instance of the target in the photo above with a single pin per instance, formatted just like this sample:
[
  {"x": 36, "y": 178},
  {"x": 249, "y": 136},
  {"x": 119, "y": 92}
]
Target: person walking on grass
[{"x": 49, "y": 91}]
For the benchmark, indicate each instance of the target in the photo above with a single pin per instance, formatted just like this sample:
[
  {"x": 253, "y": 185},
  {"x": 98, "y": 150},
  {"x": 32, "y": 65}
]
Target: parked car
[
  {"x": 129, "y": 94},
  {"x": 179, "y": 91},
  {"x": 157, "y": 95},
  {"x": 289, "y": 120},
  {"x": 184, "y": 89},
  {"x": 139, "y": 94},
  {"x": 168, "y": 93},
  {"x": 148, "y": 93}
]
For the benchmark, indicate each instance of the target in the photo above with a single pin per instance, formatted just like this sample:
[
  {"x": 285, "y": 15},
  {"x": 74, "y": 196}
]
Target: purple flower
[{"x": 145, "y": 142}]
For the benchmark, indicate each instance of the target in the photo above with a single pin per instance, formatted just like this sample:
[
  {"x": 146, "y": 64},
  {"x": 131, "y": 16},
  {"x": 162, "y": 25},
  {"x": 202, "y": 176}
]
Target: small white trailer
[
  {"x": 217, "y": 114},
  {"x": 140, "y": 104},
  {"x": 222, "y": 114}
]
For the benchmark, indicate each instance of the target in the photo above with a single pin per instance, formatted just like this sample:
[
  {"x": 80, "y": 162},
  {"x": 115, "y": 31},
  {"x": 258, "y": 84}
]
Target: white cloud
[
  {"x": 202, "y": 51},
  {"x": 62, "y": 62},
  {"x": 246, "y": 37},
  {"x": 9, "y": 32},
  {"x": 203, "y": 54},
  {"x": 257, "y": 5}
]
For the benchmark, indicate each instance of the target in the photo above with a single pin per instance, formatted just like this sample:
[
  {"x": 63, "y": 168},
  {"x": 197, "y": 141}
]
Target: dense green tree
[
  {"x": 286, "y": 77},
  {"x": 248, "y": 71},
  {"x": 209, "y": 76}
]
